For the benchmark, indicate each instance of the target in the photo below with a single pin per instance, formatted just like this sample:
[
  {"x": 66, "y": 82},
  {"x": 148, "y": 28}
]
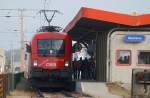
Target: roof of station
[{"x": 93, "y": 20}]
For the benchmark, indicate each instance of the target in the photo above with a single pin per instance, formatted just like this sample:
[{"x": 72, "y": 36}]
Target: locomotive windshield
[{"x": 51, "y": 47}]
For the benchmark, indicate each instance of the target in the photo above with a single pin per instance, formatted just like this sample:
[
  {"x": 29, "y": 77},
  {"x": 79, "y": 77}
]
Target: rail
[
  {"x": 67, "y": 94},
  {"x": 58, "y": 94}
]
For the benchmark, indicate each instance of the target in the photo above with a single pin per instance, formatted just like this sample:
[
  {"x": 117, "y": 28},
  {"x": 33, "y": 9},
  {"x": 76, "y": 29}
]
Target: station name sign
[{"x": 134, "y": 38}]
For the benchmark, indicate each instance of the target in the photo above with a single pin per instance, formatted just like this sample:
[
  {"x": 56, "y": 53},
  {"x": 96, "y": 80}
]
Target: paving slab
[
  {"x": 18, "y": 97},
  {"x": 95, "y": 89}
]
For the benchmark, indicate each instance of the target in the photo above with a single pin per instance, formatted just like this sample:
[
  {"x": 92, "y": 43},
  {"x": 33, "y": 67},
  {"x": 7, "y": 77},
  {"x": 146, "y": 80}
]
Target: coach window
[
  {"x": 143, "y": 57},
  {"x": 123, "y": 57}
]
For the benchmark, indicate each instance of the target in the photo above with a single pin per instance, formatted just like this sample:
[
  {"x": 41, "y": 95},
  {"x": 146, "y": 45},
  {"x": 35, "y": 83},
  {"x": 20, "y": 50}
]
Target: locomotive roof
[
  {"x": 61, "y": 33},
  {"x": 93, "y": 20},
  {"x": 44, "y": 34}
]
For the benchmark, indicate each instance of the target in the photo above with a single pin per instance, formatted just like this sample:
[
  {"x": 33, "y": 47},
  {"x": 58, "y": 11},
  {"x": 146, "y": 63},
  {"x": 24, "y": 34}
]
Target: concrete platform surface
[
  {"x": 95, "y": 89},
  {"x": 18, "y": 97}
]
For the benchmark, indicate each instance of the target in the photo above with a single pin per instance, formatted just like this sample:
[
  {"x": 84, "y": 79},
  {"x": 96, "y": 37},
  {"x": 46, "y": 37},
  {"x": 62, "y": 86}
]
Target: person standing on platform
[
  {"x": 80, "y": 69},
  {"x": 92, "y": 69},
  {"x": 84, "y": 68},
  {"x": 75, "y": 69}
]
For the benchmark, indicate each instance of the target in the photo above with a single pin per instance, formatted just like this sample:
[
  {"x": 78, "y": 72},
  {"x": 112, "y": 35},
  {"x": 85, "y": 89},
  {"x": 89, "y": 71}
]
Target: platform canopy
[{"x": 90, "y": 20}]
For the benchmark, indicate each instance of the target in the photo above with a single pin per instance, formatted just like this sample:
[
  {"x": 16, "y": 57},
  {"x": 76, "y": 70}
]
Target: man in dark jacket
[{"x": 75, "y": 69}]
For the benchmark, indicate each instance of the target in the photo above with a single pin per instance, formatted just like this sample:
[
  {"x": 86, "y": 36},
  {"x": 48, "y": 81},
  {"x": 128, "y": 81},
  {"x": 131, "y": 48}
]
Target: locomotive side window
[
  {"x": 51, "y": 47},
  {"x": 123, "y": 57},
  {"x": 144, "y": 57}
]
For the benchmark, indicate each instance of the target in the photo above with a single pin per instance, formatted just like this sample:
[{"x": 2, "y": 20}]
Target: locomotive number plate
[{"x": 51, "y": 64}]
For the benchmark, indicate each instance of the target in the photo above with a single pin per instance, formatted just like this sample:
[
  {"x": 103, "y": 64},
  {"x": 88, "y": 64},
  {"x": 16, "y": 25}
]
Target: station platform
[{"x": 95, "y": 89}]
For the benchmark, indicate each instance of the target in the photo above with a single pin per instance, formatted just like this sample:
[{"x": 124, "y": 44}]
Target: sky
[{"x": 10, "y": 27}]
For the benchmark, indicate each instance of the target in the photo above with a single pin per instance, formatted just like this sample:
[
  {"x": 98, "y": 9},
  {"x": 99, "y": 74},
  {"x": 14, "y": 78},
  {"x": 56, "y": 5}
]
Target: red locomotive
[{"x": 50, "y": 56}]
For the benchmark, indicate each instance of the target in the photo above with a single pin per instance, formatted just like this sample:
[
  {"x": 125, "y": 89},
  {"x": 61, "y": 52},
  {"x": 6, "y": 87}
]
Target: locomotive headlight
[
  {"x": 66, "y": 64},
  {"x": 35, "y": 63}
]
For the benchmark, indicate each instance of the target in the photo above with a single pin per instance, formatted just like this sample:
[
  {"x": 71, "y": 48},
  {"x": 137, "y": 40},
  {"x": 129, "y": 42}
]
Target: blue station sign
[{"x": 134, "y": 38}]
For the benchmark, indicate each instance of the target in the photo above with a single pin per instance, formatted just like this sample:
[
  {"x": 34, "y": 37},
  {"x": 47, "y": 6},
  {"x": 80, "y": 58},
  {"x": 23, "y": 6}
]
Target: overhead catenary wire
[
  {"x": 1, "y": 32},
  {"x": 21, "y": 16},
  {"x": 49, "y": 20},
  {"x": 10, "y": 14}
]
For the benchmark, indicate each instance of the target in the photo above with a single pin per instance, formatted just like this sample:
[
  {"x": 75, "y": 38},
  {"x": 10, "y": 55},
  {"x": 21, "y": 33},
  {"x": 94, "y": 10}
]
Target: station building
[
  {"x": 2, "y": 60},
  {"x": 121, "y": 42}
]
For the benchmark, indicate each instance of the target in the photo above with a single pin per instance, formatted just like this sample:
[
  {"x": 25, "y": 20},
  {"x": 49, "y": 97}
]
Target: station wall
[{"x": 126, "y": 54}]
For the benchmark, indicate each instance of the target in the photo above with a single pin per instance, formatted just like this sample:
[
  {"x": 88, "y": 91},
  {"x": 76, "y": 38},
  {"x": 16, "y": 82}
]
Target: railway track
[{"x": 60, "y": 94}]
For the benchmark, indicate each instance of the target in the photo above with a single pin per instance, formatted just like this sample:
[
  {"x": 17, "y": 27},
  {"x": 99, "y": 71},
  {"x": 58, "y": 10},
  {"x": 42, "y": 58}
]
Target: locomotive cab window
[
  {"x": 123, "y": 57},
  {"x": 144, "y": 57},
  {"x": 51, "y": 47}
]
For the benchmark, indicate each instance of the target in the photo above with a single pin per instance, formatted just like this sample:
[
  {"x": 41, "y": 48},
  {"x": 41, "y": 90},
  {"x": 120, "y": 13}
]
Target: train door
[{"x": 128, "y": 50}]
